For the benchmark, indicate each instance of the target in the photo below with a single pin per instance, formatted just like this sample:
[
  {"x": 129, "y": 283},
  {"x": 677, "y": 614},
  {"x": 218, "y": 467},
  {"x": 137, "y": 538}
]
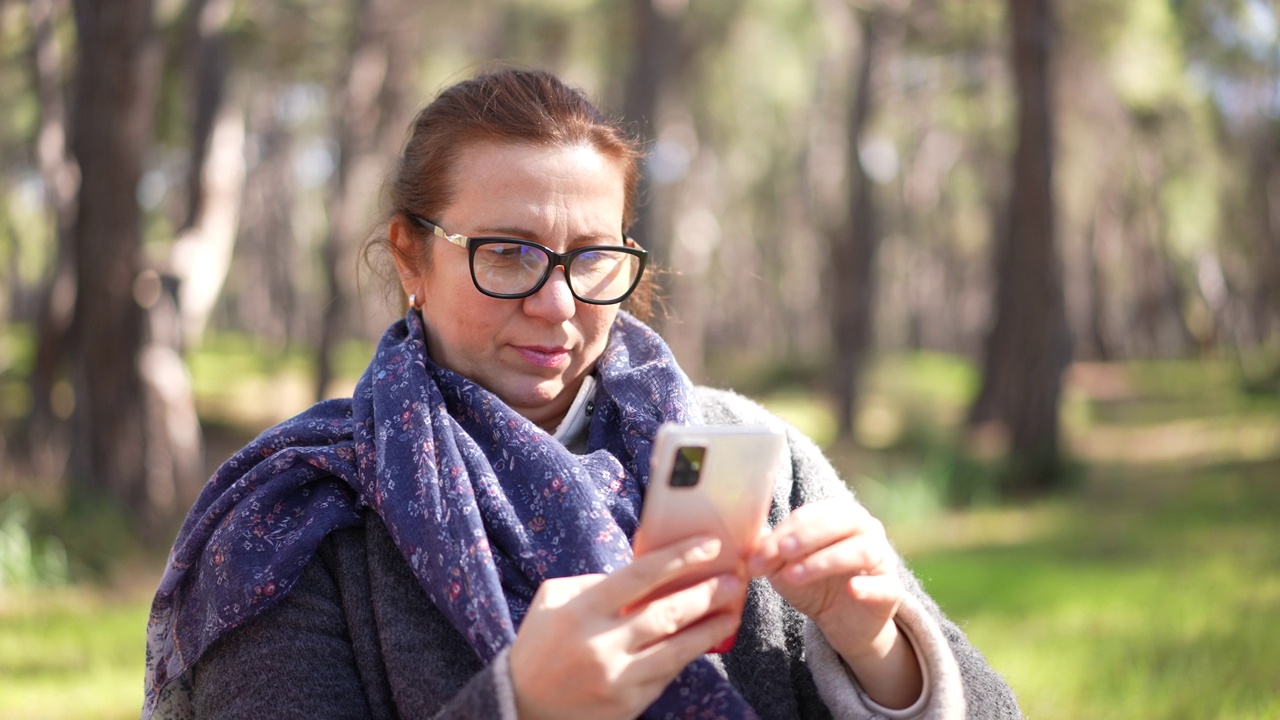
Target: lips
[{"x": 541, "y": 356}]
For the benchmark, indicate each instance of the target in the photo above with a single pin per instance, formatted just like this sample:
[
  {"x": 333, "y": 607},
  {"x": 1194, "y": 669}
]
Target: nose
[{"x": 553, "y": 301}]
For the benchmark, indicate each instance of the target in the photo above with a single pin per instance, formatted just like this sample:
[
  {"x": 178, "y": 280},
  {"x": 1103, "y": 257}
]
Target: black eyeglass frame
[{"x": 556, "y": 259}]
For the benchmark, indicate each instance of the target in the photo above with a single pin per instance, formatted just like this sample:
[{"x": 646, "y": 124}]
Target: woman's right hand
[{"x": 599, "y": 646}]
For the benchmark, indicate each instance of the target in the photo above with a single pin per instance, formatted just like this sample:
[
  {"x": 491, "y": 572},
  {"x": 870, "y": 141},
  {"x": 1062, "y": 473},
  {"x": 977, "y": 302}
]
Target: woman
[{"x": 454, "y": 540}]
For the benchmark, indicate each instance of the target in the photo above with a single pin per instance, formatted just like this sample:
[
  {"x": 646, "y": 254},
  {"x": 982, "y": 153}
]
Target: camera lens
[{"x": 688, "y": 466}]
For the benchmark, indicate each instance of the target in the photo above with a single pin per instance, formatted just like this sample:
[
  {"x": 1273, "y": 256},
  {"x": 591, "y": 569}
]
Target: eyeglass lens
[{"x": 514, "y": 268}]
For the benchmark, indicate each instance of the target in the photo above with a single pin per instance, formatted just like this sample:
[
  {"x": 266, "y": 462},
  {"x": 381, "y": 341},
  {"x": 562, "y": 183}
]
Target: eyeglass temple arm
[{"x": 459, "y": 240}]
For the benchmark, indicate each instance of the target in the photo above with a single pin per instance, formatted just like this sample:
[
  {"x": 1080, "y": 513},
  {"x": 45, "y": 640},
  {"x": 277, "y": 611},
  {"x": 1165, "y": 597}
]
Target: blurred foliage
[
  {"x": 48, "y": 539},
  {"x": 1161, "y": 107},
  {"x": 27, "y": 562},
  {"x": 17, "y": 349},
  {"x": 1158, "y": 103},
  {"x": 910, "y": 435}
]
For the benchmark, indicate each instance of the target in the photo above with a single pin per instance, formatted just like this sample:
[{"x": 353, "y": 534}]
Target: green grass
[
  {"x": 1141, "y": 603},
  {"x": 71, "y": 653}
]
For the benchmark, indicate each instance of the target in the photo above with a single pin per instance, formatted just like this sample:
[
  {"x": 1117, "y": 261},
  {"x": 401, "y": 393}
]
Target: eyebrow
[{"x": 519, "y": 232}]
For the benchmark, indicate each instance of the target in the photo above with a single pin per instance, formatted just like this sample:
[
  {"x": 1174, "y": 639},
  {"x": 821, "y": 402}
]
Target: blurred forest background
[{"x": 1015, "y": 264}]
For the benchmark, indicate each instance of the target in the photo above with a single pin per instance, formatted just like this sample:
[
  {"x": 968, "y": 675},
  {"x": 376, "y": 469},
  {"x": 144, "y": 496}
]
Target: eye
[
  {"x": 595, "y": 260},
  {"x": 499, "y": 252}
]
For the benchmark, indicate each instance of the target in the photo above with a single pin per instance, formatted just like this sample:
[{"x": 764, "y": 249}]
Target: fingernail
[
  {"x": 796, "y": 572},
  {"x": 709, "y": 548},
  {"x": 730, "y": 583},
  {"x": 755, "y": 565},
  {"x": 788, "y": 546}
]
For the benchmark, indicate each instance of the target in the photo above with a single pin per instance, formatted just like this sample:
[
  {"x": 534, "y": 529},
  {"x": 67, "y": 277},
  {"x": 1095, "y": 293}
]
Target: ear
[{"x": 406, "y": 250}]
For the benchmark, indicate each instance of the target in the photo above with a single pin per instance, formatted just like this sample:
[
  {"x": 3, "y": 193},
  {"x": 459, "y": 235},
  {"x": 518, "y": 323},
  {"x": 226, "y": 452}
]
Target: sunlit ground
[
  {"x": 73, "y": 652},
  {"x": 1149, "y": 590},
  {"x": 1154, "y": 596}
]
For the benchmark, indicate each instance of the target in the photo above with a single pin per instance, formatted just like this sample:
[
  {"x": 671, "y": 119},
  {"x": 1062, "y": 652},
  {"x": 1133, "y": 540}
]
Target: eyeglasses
[{"x": 509, "y": 269}]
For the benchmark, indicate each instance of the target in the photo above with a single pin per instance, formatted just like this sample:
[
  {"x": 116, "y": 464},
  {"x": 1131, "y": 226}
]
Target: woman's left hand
[{"x": 831, "y": 560}]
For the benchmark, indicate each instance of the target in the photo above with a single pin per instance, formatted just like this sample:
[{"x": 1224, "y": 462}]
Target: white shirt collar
[{"x": 573, "y": 428}]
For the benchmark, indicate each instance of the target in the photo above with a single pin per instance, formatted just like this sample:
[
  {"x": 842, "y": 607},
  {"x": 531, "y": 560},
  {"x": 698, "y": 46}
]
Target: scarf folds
[{"x": 483, "y": 504}]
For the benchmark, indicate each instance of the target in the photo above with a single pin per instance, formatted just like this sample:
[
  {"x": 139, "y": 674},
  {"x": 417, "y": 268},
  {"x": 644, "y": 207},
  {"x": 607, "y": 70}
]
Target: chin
[{"x": 536, "y": 396}]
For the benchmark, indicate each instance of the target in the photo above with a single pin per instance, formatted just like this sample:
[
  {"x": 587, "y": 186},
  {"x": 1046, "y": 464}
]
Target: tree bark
[
  {"x": 1096, "y": 343},
  {"x": 668, "y": 43},
  {"x": 656, "y": 56},
  {"x": 115, "y": 88},
  {"x": 201, "y": 255},
  {"x": 265, "y": 287},
  {"x": 370, "y": 118},
  {"x": 1028, "y": 346},
  {"x": 854, "y": 247},
  {"x": 207, "y": 68},
  {"x": 61, "y": 176},
  {"x": 1265, "y": 202}
]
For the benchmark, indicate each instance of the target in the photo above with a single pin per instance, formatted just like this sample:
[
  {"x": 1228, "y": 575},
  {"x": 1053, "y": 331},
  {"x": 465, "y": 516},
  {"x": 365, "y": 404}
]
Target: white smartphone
[{"x": 714, "y": 480}]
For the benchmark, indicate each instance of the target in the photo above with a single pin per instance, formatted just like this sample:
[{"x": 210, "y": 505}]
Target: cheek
[
  {"x": 596, "y": 324},
  {"x": 467, "y": 325},
  {"x": 461, "y": 322}
]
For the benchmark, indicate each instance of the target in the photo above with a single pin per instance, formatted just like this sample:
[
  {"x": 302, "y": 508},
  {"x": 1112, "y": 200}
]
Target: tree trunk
[
  {"x": 115, "y": 88},
  {"x": 264, "y": 284},
  {"x": 201, "y": 255},
  {"x": 1029, "y": 345},
  {"x": 1265, "y": 203},
  {"x": 1096, "y": 343},
  {"x": 655, "y": 56},
  {"x": 854, "y": 247},
  {"x": 40, "y": 443},
  {"x": 668, "y": 42},
  {"x": 1161, "y": 326},
  {"x": 370, "y": 119}
]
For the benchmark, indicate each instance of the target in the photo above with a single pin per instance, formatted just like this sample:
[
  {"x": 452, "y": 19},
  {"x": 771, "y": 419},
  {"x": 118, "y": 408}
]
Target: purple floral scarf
[{"x": 483, "y": 504}]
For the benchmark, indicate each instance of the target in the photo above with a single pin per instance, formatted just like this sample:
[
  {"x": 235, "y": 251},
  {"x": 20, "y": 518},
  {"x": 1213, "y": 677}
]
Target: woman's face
[{"x": 532, "y": 352}]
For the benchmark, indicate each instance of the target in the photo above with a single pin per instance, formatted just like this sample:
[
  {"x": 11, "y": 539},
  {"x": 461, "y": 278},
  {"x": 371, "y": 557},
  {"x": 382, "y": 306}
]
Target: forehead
[
  {"x": 555, "y": 195},
  {"x": 494, "y": 168}
]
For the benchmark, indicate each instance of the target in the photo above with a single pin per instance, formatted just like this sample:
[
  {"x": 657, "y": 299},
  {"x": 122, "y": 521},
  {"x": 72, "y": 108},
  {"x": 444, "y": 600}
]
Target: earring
[{"x": 413, "y": 300}]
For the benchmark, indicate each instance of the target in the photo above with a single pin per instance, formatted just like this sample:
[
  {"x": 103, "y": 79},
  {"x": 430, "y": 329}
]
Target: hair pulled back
[
  {"x": 530, "y": 107},
  {"x": 527, "y": 107}
]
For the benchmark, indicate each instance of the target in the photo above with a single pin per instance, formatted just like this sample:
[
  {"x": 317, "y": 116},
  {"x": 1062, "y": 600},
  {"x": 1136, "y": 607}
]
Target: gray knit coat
[{"x": 358, "y": 638}]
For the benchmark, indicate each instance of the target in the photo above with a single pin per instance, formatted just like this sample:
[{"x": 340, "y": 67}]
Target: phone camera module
[{"x": 688, "y": 466}]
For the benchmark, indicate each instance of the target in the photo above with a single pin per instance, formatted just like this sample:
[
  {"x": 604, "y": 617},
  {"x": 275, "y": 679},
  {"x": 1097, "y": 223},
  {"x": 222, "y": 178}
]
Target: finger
[
  {"x": 639, "y": 580},
  {"x": 667, "y": 616},
  {"x": 757, "y": 566},
  {"x": 857, "y": 555},
  {"x": 811, "y": 527},
  {"x": 877, "y": 590},
  {"x": 558, "y": 592},
  {"x": 772, "y": 548},
  {"x": 663, "y": 660}
]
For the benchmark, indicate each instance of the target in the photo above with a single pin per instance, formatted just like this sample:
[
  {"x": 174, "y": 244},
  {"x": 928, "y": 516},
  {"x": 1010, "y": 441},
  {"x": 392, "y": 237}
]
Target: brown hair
[{"x": 531, "y": 107}]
